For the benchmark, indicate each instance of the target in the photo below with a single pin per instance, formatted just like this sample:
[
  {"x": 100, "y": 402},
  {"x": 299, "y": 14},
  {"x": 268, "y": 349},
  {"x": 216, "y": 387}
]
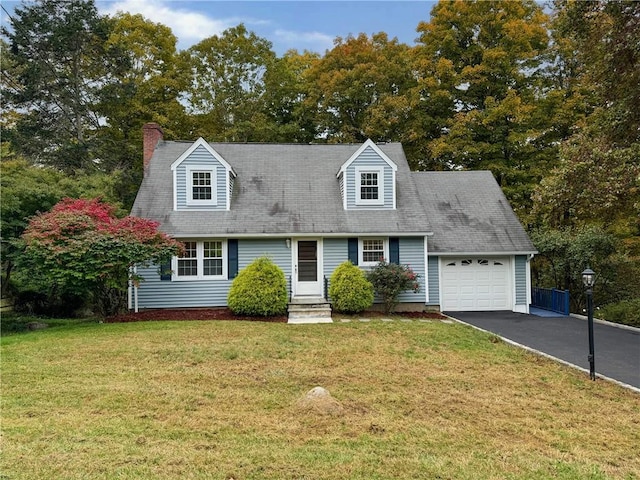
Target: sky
[{"x": 300, "y": 25}]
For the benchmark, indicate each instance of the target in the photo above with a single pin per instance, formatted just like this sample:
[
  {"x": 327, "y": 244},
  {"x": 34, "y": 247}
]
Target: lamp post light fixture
[{"x": 589, "y": 278}]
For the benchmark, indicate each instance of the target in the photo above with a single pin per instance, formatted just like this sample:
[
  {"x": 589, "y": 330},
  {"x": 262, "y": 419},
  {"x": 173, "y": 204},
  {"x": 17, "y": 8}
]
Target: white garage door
[{"x": 474, "y": 283}]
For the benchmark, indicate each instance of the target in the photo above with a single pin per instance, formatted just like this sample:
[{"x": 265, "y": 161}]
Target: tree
[
  {"x": 147, "y": 88},
  {"x": 285, "y": 98},
  {"x": 604, "y": 152},
  {"x": 358, "y": 89},
  {"x": 480, "y": 66},
  {"x": 226, "y": 95},
  {"x": 565, "y": 253},
  {"x": 29, "y": 190},
  {"x": 80, "y": 249},
  {"x": 60, "y": 66}
]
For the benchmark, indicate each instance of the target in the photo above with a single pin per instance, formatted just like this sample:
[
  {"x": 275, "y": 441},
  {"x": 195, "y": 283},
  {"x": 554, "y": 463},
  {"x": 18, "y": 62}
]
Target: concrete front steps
[{"x": 309, "y": 310}]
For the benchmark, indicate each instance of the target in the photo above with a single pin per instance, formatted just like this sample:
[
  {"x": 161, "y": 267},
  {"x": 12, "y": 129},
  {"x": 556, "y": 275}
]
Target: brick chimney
[{"x": 151, "y": 134}]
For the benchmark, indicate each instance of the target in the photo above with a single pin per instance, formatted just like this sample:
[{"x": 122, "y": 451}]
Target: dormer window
[
  {"x": 202, "y": 186},
  {"x": 201, "y": 189},
  {"x": 369, "y": 183}
]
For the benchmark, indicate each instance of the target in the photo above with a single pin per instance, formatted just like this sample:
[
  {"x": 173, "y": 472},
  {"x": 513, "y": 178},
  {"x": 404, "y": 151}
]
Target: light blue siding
[
  {"x": 276, "y": 249},
  {"x": 368, "y": 158},
  {"x": 334, "y": 253},
  {"x": 201, "y": 158},
  {"x": 155, "y": 293},
  {"x": 434, "y": 281},
  {"x": 412, "y": 254},
  {"x": 521, "y": 279}
]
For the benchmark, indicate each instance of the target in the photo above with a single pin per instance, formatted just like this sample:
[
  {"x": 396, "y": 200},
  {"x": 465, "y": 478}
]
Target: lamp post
[{"x": 589, "y": 278}]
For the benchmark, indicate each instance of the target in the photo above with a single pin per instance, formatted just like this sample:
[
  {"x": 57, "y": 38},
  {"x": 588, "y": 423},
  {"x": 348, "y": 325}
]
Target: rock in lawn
[
  {"x": 319, "y": 400},
  {"x": 36, "y": 326}
]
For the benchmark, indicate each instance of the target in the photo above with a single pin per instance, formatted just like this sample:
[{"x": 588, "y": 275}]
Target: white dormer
[
  {"x": 202, "y": 179},
  {"x": 368, "y": 179}
]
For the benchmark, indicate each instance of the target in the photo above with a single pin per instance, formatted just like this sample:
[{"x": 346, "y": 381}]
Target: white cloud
[
  {"x": 315, "y": 41},
  {"x": 190, "y": 27}
]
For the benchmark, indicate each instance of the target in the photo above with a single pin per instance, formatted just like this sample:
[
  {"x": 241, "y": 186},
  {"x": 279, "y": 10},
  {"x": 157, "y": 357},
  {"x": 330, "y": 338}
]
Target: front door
[{"x": 307, "y": 268}]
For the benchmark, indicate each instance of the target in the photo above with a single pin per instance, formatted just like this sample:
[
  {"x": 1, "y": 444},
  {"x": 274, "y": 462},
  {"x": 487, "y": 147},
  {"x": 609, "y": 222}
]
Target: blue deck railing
[{"x": 550, "y": 299}]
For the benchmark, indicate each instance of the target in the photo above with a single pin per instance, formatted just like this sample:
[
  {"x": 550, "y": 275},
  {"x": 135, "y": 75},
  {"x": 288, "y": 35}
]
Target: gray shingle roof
[
  {"x": 280, "y": 189},
  {"x": 292, "y": 189},
  {"x": 469, "y": 214}
]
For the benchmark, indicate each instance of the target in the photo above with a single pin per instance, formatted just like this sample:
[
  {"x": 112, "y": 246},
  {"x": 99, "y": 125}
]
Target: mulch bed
[
  {"x": 226, "y": 314},
  {"x": 189, "y": 314}
]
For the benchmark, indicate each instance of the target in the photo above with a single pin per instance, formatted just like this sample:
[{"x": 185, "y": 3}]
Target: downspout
[
  {"x": 135, "y": 292},
  {"x": 426, "y": 271},
  {"x": 529, "y": 286}
]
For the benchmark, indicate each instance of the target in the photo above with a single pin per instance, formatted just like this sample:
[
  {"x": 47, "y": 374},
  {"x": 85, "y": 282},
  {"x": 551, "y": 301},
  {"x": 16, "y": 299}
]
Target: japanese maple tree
[{"x": 80, "y": 249}]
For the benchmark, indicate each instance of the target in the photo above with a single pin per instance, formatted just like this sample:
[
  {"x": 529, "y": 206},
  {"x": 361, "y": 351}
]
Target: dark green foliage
[
  {"x": 626, "y": 312},
  {"x": 564, "y": 254},
  {"x": 350, "y": 291},
  {"x": 259, "y": 290},
  {"x": 60, "y": 66},
  {"x": 389, "y": 280}
]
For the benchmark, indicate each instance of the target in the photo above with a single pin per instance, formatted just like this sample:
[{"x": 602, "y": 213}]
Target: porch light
[{"x": 588, "y": 278}]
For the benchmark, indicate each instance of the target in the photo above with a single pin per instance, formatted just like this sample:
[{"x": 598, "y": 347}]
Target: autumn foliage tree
[{"x": 80, "y": 251}]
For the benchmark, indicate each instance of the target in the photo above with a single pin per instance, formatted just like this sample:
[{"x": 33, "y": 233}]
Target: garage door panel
[{"x": 473, "y": 283}]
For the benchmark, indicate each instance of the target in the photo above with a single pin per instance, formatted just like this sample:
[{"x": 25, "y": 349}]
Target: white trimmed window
[
  {"x": 201, "y": 260},
  {"x": 373, "y": 250},
  {"x": 369, "y": 186},
  {"x": 201, "y": 186}
]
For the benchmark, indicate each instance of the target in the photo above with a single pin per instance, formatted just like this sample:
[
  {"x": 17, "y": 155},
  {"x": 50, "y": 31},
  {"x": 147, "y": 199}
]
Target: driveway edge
[
  {"x": 550, "y": 357},
  {"x": 605, "y": 322}
]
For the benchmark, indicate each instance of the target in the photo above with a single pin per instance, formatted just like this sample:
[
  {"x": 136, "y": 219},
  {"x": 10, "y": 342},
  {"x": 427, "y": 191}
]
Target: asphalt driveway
[{"x": 617, "y": 350}]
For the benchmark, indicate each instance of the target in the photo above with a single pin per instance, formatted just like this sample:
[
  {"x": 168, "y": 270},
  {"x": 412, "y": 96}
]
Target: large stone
[
  {"x": 37, "y": 326},
  {"x": 319, "y": 400}
]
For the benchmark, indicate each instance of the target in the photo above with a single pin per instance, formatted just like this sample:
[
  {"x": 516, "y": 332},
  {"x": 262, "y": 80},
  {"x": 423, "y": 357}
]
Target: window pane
[
  {"x": 369, "y": 186},
  {"x": 190, "y": 250},
  {"x": 212, "y": 249},
  {"x": 213, "y": 266},
  {"x": 187, "y": 268},
  {"x": 212, "y": 252},
  {"x": 372, "y": 250},
  {"x": 201, "y": 185}
]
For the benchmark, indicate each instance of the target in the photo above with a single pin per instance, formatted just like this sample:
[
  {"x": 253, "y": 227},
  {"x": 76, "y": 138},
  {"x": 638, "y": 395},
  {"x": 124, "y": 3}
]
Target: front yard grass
[{"x": 218, "y": 400}]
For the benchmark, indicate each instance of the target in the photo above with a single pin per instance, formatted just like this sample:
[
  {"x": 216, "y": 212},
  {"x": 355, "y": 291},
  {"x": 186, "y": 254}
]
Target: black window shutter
[
  {"x": 165, "y": 271},
  {"x": 232, "y": 253},
  {"x": 353, "y": 250},
  {"x": 394, "y": 250}
]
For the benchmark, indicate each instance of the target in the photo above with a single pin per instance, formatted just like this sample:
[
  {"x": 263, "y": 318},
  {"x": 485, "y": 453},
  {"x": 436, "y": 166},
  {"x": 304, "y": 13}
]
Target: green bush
[
  {"x": 259, "y": 290},
  {"x": 350, "y": 291},
  {"x": 390, "y": 280},
  {"x": 626, "y": 312}
]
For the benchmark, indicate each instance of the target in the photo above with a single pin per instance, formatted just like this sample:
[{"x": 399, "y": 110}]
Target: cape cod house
[{"x": 311, "y": 207}]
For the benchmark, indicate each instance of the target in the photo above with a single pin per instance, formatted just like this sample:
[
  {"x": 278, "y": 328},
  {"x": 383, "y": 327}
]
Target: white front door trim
[{"x": 308, "y": 288}]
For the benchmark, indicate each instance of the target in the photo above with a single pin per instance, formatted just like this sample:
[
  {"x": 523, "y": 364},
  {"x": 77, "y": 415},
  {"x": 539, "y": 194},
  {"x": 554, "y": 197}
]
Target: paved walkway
[{"x": 617, "y": 350}]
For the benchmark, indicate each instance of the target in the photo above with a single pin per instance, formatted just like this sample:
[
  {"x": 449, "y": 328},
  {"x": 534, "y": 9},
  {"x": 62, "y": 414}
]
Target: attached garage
[{"x": 476, "y": 283}]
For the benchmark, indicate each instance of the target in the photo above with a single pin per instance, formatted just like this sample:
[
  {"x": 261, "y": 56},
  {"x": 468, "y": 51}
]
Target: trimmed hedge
[
  {"x": 259, "y": 290},
  {"x": 350, "y": 291}
]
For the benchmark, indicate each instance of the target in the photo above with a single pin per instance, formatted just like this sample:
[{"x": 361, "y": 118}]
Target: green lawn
[{"x": 218, "y": 400}]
